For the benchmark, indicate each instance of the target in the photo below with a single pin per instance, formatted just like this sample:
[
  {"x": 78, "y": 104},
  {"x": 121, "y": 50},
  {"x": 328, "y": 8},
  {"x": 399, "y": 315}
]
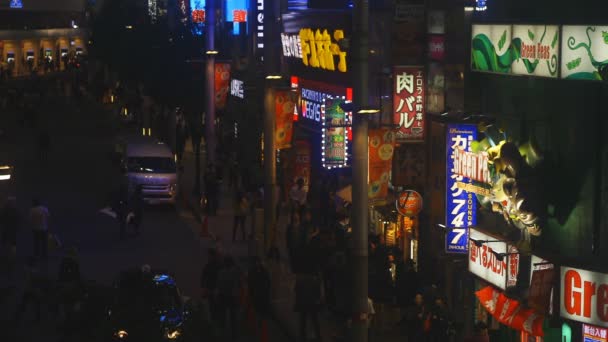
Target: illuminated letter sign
[
  {"x": 260, "y": 28},
  {"x": 408, "y": 102},
  {"x": 484, "y": 263},
  {"x": 584, "y": 296},
  {"x": 461, "y": 206},
  {"x": 320, "y": 50}
]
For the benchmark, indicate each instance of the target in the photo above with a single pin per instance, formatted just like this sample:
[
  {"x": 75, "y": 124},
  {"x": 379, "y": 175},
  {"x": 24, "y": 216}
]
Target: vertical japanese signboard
[
  {"x": 335, "y": 135},
  {"x": 284, "y": 102},
  {"x": 461, "y": 206},
  {"x": 222, "y": 84},
  {"x": 409, "y": 102},
  {"x": 381, "y": 144}
]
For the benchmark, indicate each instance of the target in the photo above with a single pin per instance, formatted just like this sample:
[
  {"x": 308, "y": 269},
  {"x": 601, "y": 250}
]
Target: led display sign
[{"x": 236, "y": 88}]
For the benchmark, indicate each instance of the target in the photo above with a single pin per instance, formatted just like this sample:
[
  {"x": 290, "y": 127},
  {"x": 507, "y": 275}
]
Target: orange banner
[
  {"x": 284, "y": 103},
  {"x": 510, "y": 312},
  {"x": 381, "y": 144},
  {"x": 222, "y": 84}
]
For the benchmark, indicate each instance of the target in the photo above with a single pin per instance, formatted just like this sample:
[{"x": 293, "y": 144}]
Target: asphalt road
[{"x": 74, "y": 183}]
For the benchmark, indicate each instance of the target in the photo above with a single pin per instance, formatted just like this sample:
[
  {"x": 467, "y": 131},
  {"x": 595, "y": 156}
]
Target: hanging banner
[
  {"x": 381, "y": 144},
  {"x": 461, "y": 206},
  {"x": 222, "y": 84},
  {"x": 510, "y": 312},
  {"x": 584, "y": 51},
  {"x": 436, "y": 89},
  {"x": 334, "y": 133},
  {"x": 284, "y": 102},
  {"x": 409, "y": 102},
  {"x": 516, "y": 49}
]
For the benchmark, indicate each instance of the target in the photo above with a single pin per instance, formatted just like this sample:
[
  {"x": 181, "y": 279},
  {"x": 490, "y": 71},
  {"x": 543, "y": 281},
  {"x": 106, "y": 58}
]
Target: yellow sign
[{"x": 320, "y": 49}]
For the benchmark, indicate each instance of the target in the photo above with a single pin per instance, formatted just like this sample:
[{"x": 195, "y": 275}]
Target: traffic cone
[{"x": 204, "y": 227}]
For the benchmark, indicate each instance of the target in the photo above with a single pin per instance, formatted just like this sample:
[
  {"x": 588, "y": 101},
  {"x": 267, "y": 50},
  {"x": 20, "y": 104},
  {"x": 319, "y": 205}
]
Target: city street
[{"x": 74, "y": 183}]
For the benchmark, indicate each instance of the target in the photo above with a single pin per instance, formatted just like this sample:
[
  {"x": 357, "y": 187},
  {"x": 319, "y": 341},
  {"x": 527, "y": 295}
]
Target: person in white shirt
[
  {"x": 298, "y": 195},
  {"x": 39, "y": 219}
]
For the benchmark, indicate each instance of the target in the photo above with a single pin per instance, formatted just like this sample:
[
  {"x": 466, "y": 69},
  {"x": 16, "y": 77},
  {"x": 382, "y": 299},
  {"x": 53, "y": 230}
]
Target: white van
[{"x": 151, "y": 164}]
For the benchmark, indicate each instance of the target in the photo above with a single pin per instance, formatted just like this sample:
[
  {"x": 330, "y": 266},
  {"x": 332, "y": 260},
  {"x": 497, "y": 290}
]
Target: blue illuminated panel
[
  {"x": 461, "y": 206},
  {"x": 16, "y": 4}
]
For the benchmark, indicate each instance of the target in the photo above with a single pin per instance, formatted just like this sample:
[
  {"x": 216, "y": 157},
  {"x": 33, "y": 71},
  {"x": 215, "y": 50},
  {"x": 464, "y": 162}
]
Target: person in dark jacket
[
  {"x": 137, "y": 208},
  {"x": 440, "y": 321},
  {"x": 209, "y": 282},
  {"x": 308, "y": 303},
  {"x": 259, "y": 290}
]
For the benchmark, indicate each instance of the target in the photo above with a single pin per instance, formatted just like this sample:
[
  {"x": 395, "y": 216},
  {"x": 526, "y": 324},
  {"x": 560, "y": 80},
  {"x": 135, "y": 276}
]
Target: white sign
[
  {"x": 584, "y": 296},
  {"x": 483, "y": 263},
  {"x": 260, "y": 28},
  {"x": 584, "y": 48},
  {"x": 292, "y": 47},
  {"x": 236, "y": 88}
]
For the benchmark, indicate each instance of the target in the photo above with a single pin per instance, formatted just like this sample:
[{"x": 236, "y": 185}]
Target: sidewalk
[{"x": 220, "y": 226}]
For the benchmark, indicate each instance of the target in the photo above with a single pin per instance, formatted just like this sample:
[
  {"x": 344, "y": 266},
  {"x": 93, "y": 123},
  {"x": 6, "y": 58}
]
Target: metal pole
[
  {"x": 210, "y": 78},
  {"x": 360, "y": 160},
  {"x": 270, "y": 166}
]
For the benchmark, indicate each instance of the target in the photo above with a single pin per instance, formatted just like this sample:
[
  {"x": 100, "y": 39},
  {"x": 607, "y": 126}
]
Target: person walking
[
  {"x": 241, "y": 207},
  {"x": 209, "y": 277},
  {"x": 308, "y": 303},
  {"x": 292, "y": 234},
  {"x": 417, "y": 321},
  {"x": 211, "y": 190},
  {"x": 228, "y": 291},
  {"x": 69, "y": 283},
  {"x": 259, "y": 285},
  {"x": 298, "y": 195},
  {"x": 36, "y": 289},
  {"x": 39, "y": 220},
  {"x": 136, "y": 205},
  {"x": 440, "y": 321}
]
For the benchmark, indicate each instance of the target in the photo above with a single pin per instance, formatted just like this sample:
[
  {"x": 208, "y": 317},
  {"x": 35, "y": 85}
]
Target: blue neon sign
[
  {"x": 16, "y": 4},
  {"x": 461, "y": 206},
  {"x": 481, "y": 5}
]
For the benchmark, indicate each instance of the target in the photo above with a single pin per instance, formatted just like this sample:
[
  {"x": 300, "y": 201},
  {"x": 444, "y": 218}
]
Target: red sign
[
  {"x": 239, "y": 16},
  {"x": 222, "y": 84},
  {"x": 409, "y": 203},
  {"x": 198, "y": 15},
  {"x": 284, "y": 102},
  {"x": 437, "y": 47},
  {"x": 594, "y": 334},
  {"x": 409, "y": 102},
  {"x": 510, "y": 312}
]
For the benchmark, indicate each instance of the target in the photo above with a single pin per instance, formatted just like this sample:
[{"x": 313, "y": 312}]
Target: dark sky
[{"x": 46, "y": 5}]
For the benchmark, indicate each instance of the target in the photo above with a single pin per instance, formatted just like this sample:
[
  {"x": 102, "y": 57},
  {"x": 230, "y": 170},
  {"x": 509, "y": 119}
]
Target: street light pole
[
  {"x": 360, "y": 163},
  {"x": 210, "y": 83}
]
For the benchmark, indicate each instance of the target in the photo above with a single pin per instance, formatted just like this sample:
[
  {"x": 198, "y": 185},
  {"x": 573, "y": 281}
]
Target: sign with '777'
[{"x": 461, "y": 206}]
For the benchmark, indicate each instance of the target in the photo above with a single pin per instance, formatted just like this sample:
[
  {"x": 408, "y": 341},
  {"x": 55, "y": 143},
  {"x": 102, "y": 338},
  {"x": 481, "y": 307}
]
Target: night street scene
[{"x": 303, "y": 170}]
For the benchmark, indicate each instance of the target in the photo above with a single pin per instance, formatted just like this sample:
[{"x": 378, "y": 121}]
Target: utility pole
[
  {"x": 210, "y": 82},
  {"x": 360, "y": 207},
  {"x": 270, "y": 166}
]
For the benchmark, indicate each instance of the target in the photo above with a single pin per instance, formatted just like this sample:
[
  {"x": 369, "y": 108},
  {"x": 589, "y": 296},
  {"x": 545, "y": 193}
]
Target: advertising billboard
[
  {"x": 409, "y": 102},
  {"x": 483, "y": 261},
  {"x": 461, "y": 205},
  {"x": 516, "y": 49},
  {"x": 222, "y": 84},
  {"x": 584, "y": 51},
  {"x": 584, "y": 296}
]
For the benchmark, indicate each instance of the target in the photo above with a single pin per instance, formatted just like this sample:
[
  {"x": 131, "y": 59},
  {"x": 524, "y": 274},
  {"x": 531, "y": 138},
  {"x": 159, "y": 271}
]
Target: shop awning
[{"x": 510, "y": 312}]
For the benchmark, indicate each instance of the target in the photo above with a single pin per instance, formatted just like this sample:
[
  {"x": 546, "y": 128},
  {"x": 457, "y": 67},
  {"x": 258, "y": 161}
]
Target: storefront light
[{"x": 211, "y": 52}]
